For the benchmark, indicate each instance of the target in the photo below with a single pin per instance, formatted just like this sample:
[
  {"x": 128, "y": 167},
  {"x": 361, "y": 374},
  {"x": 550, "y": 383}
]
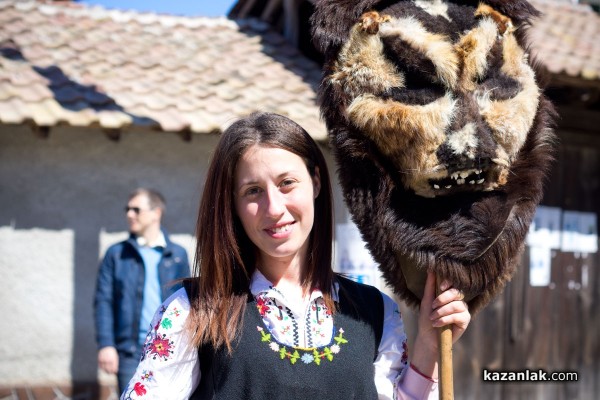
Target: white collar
[
  {"x": 260, "y": 284},
  {"x": 160, "y": 241}
]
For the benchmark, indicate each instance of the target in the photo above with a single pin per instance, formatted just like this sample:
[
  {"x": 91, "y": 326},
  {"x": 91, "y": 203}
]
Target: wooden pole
[{"x": 445, "y": 371}]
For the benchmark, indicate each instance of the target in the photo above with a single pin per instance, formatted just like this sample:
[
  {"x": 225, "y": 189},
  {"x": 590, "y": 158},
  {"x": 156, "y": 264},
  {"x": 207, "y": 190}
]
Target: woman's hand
[{"x": 448, "y": 308}]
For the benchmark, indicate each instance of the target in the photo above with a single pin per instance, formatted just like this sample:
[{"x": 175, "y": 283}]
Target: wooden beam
[
  {"x": 578, "y": 119},
  {"x": 40, "y": 131},
  {"x": 566, "y": 80},
  {"x": 291, "y": 25},
  {"x": 577, "y": 139},
  {"x": 246, "y": 8},
  {"x": 186, "y": 135},
  {"x": 112, "y": 134},
  {"x": 270, "y": 9}
]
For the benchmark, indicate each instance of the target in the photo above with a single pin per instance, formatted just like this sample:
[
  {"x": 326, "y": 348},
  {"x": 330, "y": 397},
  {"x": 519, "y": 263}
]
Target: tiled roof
[
  {"x": 87, "y": 66},
  {"x": 566, "y": 39}
]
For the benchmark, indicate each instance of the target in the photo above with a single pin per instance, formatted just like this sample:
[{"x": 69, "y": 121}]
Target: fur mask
[{"x": 441, "y": 135}]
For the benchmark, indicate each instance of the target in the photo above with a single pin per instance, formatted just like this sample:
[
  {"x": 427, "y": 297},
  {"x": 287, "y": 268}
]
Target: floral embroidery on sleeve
[
  {"x": 160, "y": 348},
  {"x": 139, "y": 388},
  {"x": 157, "y": 345},
  {"x": 165, "y": 355}
]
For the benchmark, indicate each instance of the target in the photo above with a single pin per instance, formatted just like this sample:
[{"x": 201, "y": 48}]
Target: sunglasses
[{"x": 136, "y": 210}]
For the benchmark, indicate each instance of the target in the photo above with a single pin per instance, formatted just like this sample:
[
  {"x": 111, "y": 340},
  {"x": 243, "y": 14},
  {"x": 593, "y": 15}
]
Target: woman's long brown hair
[{"x": 225, "y": 258}]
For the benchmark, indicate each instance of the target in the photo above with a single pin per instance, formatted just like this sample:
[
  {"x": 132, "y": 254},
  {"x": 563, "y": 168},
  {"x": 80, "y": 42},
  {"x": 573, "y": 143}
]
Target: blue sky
[{"x": 207, "y": 8}]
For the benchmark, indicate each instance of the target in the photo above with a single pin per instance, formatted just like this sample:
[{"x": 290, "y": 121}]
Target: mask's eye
[
  {"x": 416, "y": 91},
  {"x": 496, "y": 84},
  {"x": 421, "y": 86},
  {"x": 500, "y": 87}
]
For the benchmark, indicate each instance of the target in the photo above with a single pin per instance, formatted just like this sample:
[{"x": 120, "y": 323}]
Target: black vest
[{"x": 256, "y": 370}]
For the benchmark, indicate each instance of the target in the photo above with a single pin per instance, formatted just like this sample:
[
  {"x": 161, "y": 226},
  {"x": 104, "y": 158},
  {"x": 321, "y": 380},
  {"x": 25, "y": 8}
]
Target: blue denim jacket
[{"x": 119, "y": 289}]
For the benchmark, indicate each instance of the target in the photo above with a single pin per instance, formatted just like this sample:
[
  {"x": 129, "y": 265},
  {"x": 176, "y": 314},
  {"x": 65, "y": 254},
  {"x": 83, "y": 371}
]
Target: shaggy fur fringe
[{"x": 473, "y": 239}]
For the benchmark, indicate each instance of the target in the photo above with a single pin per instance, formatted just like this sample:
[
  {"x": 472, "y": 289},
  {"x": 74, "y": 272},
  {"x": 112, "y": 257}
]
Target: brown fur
[
  {"x": 404, "y": 133},
  {"x": 362, "y": 68},
  {"x": 417, "y": 99},
  {"x": 434, "y": 46},
  {"x": 361, "y": 63},
  {"x": 473, "y": 49},
  {"x": 504, "y": 23}
]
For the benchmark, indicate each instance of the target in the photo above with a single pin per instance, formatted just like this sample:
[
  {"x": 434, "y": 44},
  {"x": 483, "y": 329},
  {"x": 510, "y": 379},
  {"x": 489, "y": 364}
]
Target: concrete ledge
[{"x": 84, "y": 391}]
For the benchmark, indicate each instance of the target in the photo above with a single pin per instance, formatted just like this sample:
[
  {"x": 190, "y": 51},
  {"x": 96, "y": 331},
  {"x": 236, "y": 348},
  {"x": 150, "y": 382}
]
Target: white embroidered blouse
[{"x": 169, "y": 368}]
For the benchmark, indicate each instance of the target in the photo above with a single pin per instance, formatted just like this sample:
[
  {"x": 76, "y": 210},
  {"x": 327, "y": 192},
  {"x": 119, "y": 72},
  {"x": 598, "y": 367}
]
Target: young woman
[{"x": 266, "y": 317}]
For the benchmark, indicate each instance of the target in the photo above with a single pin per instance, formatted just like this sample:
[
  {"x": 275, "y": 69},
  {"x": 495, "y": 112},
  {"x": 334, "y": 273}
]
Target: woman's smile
[{"x": 281, "y": 230}]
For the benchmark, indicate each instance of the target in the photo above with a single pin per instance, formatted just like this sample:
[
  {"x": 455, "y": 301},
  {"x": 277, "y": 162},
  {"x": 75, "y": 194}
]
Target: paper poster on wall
[
  {"x": 588, "y": 225},
  {"x": 544, "y": 230},
  {"x": 352, "y": 256},
  {"x": 579, "y": 232},
  {"x": 540, "y": 261}
]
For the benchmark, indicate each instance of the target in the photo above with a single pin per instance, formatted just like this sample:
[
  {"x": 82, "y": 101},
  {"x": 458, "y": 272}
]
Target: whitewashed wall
[{"x": 61, "y": 205}]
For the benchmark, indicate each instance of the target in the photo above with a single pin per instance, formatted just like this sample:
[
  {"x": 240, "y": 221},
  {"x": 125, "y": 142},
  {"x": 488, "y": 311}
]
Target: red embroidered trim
[{"x": 420, "y": 373}]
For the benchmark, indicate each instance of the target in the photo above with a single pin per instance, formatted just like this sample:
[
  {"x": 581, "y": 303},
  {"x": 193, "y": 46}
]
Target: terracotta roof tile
[
  {"x": 36, "y": 93},
  {"x": 13, "y": 111},
  {"x": 87, "y": 66},
  {"x": 565, "y": 38}
]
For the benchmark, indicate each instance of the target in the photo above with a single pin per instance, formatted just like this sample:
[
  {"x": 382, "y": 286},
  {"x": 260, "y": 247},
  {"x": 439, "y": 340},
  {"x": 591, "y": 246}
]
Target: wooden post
[{"x": 445, "y": 370}]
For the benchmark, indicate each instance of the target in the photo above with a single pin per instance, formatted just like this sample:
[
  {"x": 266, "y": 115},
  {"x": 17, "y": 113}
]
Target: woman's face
[{"x": 274, "y": 199}]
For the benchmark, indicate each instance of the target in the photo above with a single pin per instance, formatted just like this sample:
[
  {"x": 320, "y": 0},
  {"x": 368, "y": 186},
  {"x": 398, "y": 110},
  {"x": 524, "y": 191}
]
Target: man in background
[{"x": 133, "y": 280}]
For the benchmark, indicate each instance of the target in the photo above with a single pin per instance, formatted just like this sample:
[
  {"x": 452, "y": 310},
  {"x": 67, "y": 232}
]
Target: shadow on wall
[{"x": 58, "y": 189}]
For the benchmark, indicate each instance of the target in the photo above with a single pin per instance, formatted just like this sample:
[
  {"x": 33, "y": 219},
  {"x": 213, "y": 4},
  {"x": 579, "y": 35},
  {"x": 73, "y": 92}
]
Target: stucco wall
[{"x": 61, "y": 205}]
